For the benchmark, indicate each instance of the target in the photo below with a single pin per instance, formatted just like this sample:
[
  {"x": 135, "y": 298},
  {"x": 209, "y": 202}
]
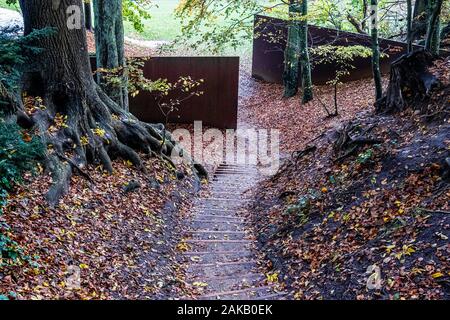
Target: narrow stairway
[{"x": 222, "y": 260}]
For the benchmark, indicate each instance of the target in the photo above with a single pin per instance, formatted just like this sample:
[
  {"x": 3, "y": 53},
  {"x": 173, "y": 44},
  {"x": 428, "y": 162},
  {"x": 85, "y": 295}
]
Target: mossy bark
[
  {"x": 433, "y": 35},
  {"x": 376, "y": 50},
  {"x": 304, "y": 55},
  {"x": 110, "y": 50}
]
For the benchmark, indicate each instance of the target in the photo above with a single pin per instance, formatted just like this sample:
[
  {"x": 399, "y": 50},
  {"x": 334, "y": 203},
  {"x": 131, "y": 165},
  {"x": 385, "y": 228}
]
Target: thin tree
[
  {"x": 433, "y": 35},
  {"x": 80, "y": 124},
  {"x": 375, "y": 49},
  {"x": 88, "y": 15},
  {"x": 297, "y": 53},
  {"x": 305, "y": 63},
  {"x": 110, "y": 49},
  {"x": 409, "y": 35},
  {"x": 292, "y": 51}
]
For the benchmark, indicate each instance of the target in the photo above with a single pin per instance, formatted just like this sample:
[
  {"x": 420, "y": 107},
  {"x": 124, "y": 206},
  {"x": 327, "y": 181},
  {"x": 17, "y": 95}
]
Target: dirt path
[{"x": 222, "y": 259}]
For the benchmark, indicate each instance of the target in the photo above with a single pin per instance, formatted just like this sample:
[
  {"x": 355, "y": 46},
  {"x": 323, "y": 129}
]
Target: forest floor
[
  {"x": 115, "y": 238},
  {"x": 370, "y": 224},
  {"x": 323, "y": 225}
]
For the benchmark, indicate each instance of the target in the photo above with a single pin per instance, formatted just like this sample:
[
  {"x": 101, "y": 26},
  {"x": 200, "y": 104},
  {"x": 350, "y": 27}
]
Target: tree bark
[
  {"x": 304, "y": 55},
  {"x": 432, "y": 42},
  {"x": 420, "y": 18},
  {"x": 409, "y": 36},
  {"x": 375, "y": 50},
  {"x": 96, "y": 129},
  {"x": 292, "y": 52},
  {"x": 355, "y": 23},
  {"x": 110, "y": 52},
  {"x": 88, "y": 16},
  {"x": 410, "y": 83}
]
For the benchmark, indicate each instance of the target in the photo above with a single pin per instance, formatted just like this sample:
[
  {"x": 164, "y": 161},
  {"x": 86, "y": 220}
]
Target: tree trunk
[
  {"x": 365, "y": 10},
  {"x": 109, "y": 41},
  {"x": 88, "y": 16},
  {"x": 376, "y": 50},
  {"x": 292, "y": 52},
  {"x": 304, "y": 55},
  {"x": 410, "y": 83},
  {"x": 409, "y": 36},
  {"x": 420, "y": 18},
  {"x": 432, "y": 42},
  {"x": 80, "y": 123}
]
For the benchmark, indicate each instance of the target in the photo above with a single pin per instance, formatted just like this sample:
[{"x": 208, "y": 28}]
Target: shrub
[
  {"x": 16, "y": 53},
  {"x": 19, "y": 152}
]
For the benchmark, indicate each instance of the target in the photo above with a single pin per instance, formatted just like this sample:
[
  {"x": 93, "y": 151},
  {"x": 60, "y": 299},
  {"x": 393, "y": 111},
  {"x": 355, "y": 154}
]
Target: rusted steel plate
[
  {"x": 216, "y": 107},
  {"x": 270, "y": 42}
]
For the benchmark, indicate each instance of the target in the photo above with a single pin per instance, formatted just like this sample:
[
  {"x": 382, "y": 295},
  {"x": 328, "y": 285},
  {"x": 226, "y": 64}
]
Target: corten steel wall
[
  {"x": 270, "y": 42},
  {"x": 216, "y": 107}
]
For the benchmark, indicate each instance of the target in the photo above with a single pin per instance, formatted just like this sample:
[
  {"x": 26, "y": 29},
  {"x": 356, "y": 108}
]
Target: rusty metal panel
[
  {"x": 270, "y": 41},
  {"x": 217, "y": 107}
]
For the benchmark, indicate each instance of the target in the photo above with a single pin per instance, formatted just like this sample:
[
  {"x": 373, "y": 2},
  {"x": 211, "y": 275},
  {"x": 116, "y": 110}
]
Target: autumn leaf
[
  {"x": 200, "y": 284},
  {"x": 272, "y": 277},
  {"x": 437, "y": 275}
]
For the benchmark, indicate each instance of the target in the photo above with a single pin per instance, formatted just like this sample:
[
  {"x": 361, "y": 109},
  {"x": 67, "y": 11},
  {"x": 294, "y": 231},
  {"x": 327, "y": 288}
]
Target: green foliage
[
  {"x": 137, "y": 82},
  {"x": 9, "y": 4},
  {"x": 16, "y": 157},
  {"x": 332, "y": 13},
  {"x": 341, "y": 56},
  {"x": 365, "y": 156},
  {"x": 301, "y": 209},
  {"x": 16, "y": 53},
  {"x": 215, "y": 25},
  {"x": 135, "y": 11},
  {"x": 10, "y": 251}
]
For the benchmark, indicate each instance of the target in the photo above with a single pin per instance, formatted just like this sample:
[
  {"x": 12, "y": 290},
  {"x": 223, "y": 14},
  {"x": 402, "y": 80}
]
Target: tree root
[
  {"x": 411, "y": 83},
  {"x": 94, "y": 130}
]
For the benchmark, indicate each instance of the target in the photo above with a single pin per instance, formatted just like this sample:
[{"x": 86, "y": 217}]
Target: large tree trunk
[
  {"x": 96, "y": 129},
  {"x": 375, "y": 50},
  {"x": 109, "y": 41},
  {"x": 292, "y": 52},
  {"x": 304, "y": 55}
]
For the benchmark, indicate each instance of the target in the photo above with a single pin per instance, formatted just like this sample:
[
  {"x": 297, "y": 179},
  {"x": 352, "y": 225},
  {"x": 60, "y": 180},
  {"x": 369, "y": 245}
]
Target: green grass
[
  {"x": 12, "y": 7},
  {"x": 162, "y": 25}
]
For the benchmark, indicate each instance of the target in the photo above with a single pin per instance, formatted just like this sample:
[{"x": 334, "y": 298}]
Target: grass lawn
[{"x": 162, "y": 25}]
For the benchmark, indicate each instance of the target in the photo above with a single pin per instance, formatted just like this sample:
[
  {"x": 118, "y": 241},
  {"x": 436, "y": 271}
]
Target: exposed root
[
  {"x": 94, "y": 130},
  {"x": 350, "y": 139},
  {"x": 411, "y": 83}
]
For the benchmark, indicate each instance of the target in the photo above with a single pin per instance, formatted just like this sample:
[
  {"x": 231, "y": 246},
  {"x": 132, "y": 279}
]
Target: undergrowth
[{"x": 19, "y": 152}]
